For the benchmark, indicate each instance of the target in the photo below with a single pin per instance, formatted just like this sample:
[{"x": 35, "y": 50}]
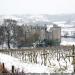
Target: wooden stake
[{"x": 12, "y": 69}]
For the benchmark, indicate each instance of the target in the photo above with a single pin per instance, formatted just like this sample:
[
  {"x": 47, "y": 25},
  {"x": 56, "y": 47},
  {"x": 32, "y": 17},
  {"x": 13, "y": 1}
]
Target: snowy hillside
[
  {"x": 20, "y": 66},
  {"x": 55, "y": 67},
  {"x": 40, "y": 18}
]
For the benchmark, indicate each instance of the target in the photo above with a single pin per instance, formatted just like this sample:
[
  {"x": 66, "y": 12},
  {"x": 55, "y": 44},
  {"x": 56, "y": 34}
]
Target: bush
[{"x": 52, "y": 42}]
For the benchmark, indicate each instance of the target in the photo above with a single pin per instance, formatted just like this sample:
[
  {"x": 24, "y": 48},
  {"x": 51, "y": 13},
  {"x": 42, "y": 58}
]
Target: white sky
[{"x": 37, "y": 6}]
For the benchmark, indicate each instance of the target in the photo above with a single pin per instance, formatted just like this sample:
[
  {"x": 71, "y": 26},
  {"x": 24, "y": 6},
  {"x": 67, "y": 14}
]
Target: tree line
[{"x": 13, "y": 34}]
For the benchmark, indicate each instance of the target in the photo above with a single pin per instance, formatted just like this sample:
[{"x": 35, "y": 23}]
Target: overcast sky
[{"x": 37, "y": 6}]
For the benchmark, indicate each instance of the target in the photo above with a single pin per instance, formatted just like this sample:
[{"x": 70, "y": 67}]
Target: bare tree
[{"x": 9, "y": 28}]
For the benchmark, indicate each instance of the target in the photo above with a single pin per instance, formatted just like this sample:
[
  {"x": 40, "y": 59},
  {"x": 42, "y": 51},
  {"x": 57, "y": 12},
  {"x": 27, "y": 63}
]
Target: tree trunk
[{"x": 8, "y": 42}]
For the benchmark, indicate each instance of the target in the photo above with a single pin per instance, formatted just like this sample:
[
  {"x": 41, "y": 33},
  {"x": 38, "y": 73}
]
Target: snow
[
  {"x": 12, "y": 17},
  {"x": 49, "y": 27},
  {"x": 59, "y": 22},
  {"x": 39, "y": 18},
  {"x": 26, "y": 67},
  {"x": 67, "y": 43},
  {"x": 54, "y": 67}
]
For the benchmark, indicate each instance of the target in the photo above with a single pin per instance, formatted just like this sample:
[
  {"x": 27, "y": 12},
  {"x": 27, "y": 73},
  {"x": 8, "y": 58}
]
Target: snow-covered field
[
  {"x": 21, "y": 66},
  {"x": 53, "y": 65}
]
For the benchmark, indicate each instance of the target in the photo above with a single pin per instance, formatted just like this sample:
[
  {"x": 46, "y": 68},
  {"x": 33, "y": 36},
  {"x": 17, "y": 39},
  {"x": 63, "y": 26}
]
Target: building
[
  {"x": 54, "y": 33},
  {"x": 43, "y": 32}
]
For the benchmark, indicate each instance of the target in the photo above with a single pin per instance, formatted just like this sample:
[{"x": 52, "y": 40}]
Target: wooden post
[
  {"x": 73, "y": 51},
  {"x": 12, "y": 69},
  {"x": 34, "y": 57},
  {"x": 30, "y": 57},
  {"x": 69, "y": 54},
  {"x": 58, "y": 55},
  {"x": 22, "y": 55},
  {"x": 11, "y": 53},
  {"x": 45, "y": 56},
  {"x": 3, "y": 65},
  {"x": 25, "y": 57}
]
